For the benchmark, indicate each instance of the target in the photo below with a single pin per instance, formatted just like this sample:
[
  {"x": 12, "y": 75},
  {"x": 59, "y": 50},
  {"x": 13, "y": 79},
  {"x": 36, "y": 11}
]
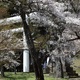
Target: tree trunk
[
  {"x": 2, "y": 71},
  {"x": 37, "y": 65},
  {"x": 14, "y": 69},
  {"x": 62, "y": 73}
]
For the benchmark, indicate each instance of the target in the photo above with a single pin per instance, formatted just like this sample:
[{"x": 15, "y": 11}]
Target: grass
[{"x": 25, "y": 76}]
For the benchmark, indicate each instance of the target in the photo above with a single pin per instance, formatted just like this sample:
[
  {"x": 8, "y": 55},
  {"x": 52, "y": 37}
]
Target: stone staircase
[{"x": 71, "y": 73}]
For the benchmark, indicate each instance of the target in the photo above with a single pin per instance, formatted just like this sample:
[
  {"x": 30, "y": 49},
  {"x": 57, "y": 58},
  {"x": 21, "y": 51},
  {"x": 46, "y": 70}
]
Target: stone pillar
[{"x": 25, "y": 55}]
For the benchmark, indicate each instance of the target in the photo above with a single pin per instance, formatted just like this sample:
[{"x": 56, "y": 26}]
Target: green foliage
[
  {"x": 76, "y": 65},
  {"x": 13, "y": 26},
  {"x": 3, "y": 12},
  {"x": 18, "y": 35}
]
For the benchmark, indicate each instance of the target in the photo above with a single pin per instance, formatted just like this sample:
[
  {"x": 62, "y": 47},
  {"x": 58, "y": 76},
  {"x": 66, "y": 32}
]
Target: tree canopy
[{"x": 54, "y": 24}]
